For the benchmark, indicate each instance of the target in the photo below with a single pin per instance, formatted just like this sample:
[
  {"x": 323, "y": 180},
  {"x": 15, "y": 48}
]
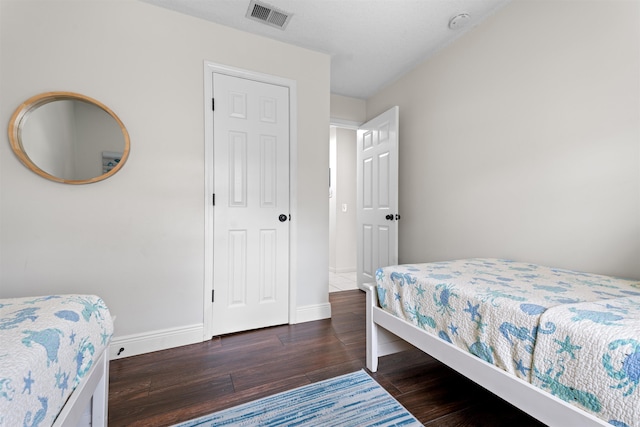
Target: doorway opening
[
  {"x": 363, "y": 194},
  {"x": 342, "y": 208}
]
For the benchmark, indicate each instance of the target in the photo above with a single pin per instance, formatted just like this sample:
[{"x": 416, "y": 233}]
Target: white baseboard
[
  {"x": 135, "y": 344},
  {"x": 163, "y": 339},
  {"x": 309, "y": 313}
]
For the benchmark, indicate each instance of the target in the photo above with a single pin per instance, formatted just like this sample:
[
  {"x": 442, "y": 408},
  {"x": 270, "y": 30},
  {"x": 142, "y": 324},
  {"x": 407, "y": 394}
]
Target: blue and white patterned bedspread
[
  {"x": 490, "y": 307},
  {"x": 592, "y": 359},
  {"x": 47, "y": 345}
]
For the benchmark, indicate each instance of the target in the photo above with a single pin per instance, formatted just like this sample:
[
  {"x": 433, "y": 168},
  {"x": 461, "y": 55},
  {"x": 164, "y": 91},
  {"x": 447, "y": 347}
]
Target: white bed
[
  {"x": 384, "y": 326},
  {"x": 87, "y": 405},
  {"x": 54, "y": 363}
]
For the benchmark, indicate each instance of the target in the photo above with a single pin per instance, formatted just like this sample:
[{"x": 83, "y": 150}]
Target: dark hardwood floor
[{"x": 170, "y": 386}]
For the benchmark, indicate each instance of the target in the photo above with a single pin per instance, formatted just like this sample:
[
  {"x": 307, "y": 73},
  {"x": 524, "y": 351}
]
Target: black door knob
[
  {"x": 389, "y": 217},
  {"x": 282, "y": 217}
]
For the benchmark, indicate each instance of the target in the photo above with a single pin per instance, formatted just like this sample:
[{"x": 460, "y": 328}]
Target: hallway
[{"x": 342, "y": 281}]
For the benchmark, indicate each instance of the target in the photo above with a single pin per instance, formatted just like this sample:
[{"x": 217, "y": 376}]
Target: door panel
[
  {"x": 367, "y": 182},
  {"x": 237, "y": 268},
  {"x": 268, "y": 171},
  {"x": 238, "y": 169},
  {"x": 384, "y": 196},
  {"x": 377, "y": 171},
  {"x": 251, "y": 183}
]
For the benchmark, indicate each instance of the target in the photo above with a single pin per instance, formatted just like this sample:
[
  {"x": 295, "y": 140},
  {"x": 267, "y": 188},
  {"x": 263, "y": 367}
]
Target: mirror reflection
[{"x": 69, "y": 138}]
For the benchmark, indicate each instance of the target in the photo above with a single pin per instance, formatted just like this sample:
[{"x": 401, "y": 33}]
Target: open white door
[
  {"x": 377, "y": 206},
  {"x": 251, "y": 212}
]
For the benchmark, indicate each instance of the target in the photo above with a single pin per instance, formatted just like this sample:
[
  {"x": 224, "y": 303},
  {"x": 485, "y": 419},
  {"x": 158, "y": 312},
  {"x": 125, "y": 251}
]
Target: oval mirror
[{"x": 68, "y": 137}]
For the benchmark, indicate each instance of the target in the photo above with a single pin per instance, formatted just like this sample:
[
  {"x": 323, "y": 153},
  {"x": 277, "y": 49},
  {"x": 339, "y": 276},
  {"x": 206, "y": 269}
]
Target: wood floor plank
[
  {"x": 312, "y": 358},
  {"x": 171, "y": 386}
]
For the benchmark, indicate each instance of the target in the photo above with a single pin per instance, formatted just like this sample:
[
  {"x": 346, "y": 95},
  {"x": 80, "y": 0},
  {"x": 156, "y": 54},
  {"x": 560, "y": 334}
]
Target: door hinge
[
  {"x": 213, "y": 292},
  {"x": 213, "y": 199},
  {"x": 213, "y": 104}
]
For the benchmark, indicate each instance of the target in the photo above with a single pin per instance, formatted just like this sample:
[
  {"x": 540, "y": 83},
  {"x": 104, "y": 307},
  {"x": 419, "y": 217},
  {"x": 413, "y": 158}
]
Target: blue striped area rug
[{"x": 349, "y": 400}]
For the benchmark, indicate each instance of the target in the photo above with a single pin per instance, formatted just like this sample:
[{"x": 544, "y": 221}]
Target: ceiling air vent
[{"x": 268, "y": 14}]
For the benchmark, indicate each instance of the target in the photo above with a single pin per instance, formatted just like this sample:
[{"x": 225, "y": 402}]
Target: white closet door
[{"x": 251, "y": 213}]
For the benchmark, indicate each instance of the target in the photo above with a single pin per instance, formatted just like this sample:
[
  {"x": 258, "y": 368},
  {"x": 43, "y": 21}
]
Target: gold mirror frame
[{"x": 21, "y": 114}]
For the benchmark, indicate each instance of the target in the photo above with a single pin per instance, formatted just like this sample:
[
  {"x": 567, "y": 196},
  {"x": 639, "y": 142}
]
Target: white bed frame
[
  {"x": 384, "y": 329},
  {"x": 87, "y": 405}
]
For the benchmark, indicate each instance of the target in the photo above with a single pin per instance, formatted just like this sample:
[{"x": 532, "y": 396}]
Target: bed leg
[
  {"x": 99, "y": 401},
  {"x": 372, "y": 328}
]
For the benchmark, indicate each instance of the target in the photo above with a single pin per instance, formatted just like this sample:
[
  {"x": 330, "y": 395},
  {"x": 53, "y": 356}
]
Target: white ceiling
[{"x": 371, "y": 42}]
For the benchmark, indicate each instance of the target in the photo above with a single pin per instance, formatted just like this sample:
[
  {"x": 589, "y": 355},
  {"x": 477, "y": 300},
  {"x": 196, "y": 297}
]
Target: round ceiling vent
[{"x": 459, "y": 21}]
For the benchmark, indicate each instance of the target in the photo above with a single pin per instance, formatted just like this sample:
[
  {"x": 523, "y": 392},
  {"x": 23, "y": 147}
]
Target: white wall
[
  {"x": 345, "y": 196},
  {"x": 522, "y": 140},
  {"x": 349, "y": 112},
  {"x": 137, "y": 238},
  {"x": 348, "y": 109}
]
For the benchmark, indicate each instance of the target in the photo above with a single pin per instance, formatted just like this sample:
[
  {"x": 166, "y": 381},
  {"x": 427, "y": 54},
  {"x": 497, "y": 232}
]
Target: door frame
[{"x": 209, "y": 69}]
